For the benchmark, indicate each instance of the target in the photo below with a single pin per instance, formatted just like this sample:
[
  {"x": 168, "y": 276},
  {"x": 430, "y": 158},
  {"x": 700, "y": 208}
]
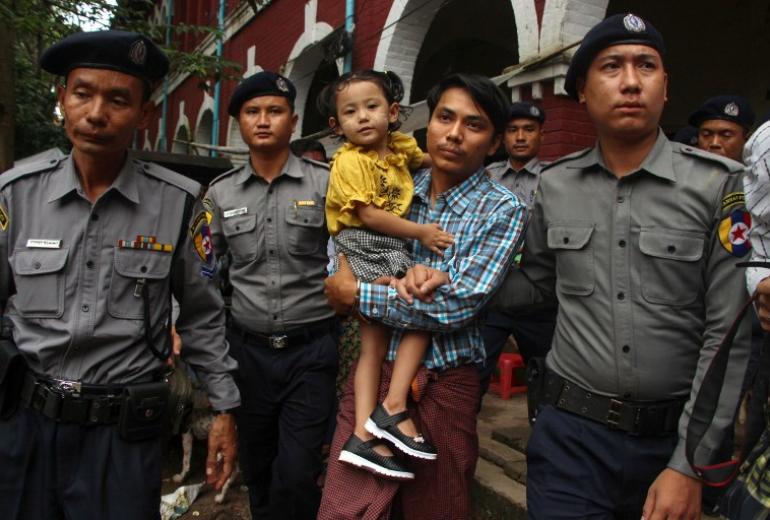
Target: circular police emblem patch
[
  {"x": 731, "y": 109},
  {"x": 534, "y": 111},
  {"x": 138, "y": 52},
  {"x": 734, "y": 232},
  {"x": 634, "y": 24},
  {"x": 281, "y": 84}
]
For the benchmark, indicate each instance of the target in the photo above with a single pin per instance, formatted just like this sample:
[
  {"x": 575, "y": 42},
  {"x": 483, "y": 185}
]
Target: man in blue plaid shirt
[{"x": 468, "y": 116}]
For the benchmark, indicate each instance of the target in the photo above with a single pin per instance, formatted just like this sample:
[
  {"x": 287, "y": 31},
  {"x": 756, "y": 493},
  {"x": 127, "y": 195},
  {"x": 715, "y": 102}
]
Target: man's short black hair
[
  {"x": 486, "y": 94},
  {"x": 301, "y": 146}
]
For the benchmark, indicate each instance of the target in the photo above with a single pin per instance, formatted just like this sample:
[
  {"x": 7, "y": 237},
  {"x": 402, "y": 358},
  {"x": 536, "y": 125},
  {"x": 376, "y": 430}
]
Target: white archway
[
  {"x": 146, "y": 140},
  {"x": 567, "y": 21},
  {"x": 304, "y": 59},
  {"x": 402, "y": 38},
  {"x": 235, "y": 140},
  {"x": 204, "y": 123},
  {"x": 181, "y": 131},
  {"x": 408, "y": 22}
]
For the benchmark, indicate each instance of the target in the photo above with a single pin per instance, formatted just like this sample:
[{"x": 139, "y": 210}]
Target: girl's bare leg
[
  {"x": 410, "y": 355},
  {"x": 374, "y": 347}
]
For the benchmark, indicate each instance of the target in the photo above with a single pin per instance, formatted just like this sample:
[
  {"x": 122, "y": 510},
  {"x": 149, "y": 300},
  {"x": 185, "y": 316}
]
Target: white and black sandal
[
  {"x": 385, "y": 426},
  {"x": 361, "y": 454}
]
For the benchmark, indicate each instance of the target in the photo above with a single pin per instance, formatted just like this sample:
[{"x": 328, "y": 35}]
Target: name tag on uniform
[
  {"x": 41, "y": 243},
  {"x": 306, "y": 203},
  {"x": 235, "y": 212}
]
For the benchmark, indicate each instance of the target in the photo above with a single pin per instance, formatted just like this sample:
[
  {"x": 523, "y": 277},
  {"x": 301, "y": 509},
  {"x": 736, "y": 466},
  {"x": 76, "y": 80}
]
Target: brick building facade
[{"x": 523, "y": 43}]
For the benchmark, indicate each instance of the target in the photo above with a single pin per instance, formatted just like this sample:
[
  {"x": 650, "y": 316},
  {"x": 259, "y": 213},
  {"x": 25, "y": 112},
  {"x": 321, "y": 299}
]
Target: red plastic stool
[{"x": 507, "y": 383}]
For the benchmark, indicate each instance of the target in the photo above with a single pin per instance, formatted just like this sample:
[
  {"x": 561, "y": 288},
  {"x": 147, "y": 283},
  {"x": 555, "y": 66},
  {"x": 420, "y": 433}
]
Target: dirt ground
[{"x": 236, "y": 503}]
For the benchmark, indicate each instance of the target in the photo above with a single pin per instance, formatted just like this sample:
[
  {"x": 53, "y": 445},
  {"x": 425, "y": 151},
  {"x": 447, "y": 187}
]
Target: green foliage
[{"x": 39, "y": 23}]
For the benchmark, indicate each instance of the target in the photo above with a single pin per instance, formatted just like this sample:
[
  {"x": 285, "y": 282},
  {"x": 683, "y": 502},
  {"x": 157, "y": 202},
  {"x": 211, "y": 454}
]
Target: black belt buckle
[
  {"x": 613, "y": 414},
  {"x": 278, "y": 342}
]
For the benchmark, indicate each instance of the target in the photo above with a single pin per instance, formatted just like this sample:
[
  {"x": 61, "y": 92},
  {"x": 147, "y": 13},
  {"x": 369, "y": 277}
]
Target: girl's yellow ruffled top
[{"x": 359, "y": 176}]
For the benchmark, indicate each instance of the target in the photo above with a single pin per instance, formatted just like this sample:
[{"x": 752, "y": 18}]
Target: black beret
[
  {"x": 617, "y": 29},
  {"x": 263, "y": 83},
  {"x": 526, "y": 110},
  {"x": 127, "y": 52},
  {"x": 729, "y": 108},
  {"x": 686, "y": 135}
]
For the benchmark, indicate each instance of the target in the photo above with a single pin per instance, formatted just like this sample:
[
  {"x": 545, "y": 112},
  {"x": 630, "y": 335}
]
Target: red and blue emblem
[
  {"x": 734, "y": 232},
  {"x": 201, "y": 237}
]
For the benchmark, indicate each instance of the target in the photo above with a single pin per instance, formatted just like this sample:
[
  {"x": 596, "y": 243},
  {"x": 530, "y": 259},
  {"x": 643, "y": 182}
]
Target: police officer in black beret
[
  {"x": 268, "y": 216},
  {"x": 723, "y": 124},
  {"x": 520, "y": 173},
  {"x": 637, "y": 238},
  {"x": 92, "y": 247}
]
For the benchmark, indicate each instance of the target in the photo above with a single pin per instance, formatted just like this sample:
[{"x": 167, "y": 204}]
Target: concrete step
[
  {"x": 512, "y": 462},
  {"x": 515, "y": 437},
  {"x": 495, "y": 496}
]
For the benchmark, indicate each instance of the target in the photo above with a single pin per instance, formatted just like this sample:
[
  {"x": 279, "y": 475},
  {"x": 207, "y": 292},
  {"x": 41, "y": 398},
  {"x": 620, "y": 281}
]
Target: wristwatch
[{"x": 229, "y": 410}]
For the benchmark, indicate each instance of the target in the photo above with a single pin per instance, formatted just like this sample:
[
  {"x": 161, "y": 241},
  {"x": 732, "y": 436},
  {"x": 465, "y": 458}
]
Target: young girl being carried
[{"x": 370, "y": 190}]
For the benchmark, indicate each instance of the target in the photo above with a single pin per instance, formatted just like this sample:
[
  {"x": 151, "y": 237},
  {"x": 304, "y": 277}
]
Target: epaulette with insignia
[
  {"x": 732, "y": 166},
  {"x": 225, "y": 175},
  {"x": 26, "y": 169},
  {"x": 317, "y": 163},
  {"x": 568, "y": 157},
  {"x": 164, "y": 174}
]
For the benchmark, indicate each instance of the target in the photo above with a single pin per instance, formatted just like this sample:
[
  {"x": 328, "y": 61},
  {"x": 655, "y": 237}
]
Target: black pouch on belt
[
  {"x": 142, "y": 411},
  {"x": 12, "y": 369},
  {"x": 535, "y": 385}
]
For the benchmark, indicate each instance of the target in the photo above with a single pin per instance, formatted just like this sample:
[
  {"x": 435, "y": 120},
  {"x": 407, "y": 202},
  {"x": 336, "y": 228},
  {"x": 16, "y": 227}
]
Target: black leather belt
[
  {"x": 71, "y": 401},
  {"x": 643, "y": 419},
  {"x": 300, "y": 335}
]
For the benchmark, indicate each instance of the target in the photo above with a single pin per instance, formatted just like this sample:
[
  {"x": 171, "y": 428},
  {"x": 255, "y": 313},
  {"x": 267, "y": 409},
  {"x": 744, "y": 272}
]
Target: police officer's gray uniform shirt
[
  {"x": 276, "y": 234},
  {"x": 646, "y": 285},
  {"x": 523, "y": 183},
  {"x": 78, "y": 271}
]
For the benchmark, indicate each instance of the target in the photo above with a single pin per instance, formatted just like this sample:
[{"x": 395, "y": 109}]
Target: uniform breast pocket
[
  {"x": 132, "y": 269},
  {"x": 574, "y": 259},
  {"x": 670, "y": 270},
  {"x": 304, "y": 227},
  {"x": 242, "y": 240},
  {"x": 39, "y": 278}
]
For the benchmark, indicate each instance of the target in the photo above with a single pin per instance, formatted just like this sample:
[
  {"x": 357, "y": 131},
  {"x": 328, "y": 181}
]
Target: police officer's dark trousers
[
  {"x": 54, "y": 471},
  {"x": 533, "y": 331},
  {"x": 580, "y": 469},
  {"x": 286, "y": 397}
]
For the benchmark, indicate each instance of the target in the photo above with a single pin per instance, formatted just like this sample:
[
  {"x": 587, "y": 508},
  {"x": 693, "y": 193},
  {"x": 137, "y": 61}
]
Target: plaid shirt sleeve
[{"x": 476, "y": 270}]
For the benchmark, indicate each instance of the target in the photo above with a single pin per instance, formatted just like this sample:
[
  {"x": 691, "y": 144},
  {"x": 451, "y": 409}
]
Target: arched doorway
[
  {"x": 204, "y": 130},
  {"x": 235, "y": 140},
  {"x": 312, "y": 120},
  {"x": 475, "y": 37},
  {"x": 181, "y": 139}
]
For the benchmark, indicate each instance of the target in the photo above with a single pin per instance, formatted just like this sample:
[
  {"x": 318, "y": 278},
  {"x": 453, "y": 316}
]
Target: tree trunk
[{"x": 7, "y": 93}]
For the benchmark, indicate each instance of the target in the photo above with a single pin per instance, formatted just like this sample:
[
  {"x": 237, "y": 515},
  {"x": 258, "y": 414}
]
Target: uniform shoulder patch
[
  {"x": 175, "y": 179},
  {"x": 224, "y": 175},
  {"x": 733, "y": 199},
  {"x": 200, "y": 234},
  {"x": 30, "y": 168},
  {"x": 316, "y": 163},
  {"x": 729, "y": 164},
  {"x": 566, "y": 158},
  {"x": 734, "y": 230},
  {"x": 4, "y": 220}
]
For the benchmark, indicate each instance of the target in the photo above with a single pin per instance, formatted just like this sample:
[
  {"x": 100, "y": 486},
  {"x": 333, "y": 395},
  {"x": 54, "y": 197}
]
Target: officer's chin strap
[
  {"x": 166, "y": 352},
  {"x": 705, "y": 405}
]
